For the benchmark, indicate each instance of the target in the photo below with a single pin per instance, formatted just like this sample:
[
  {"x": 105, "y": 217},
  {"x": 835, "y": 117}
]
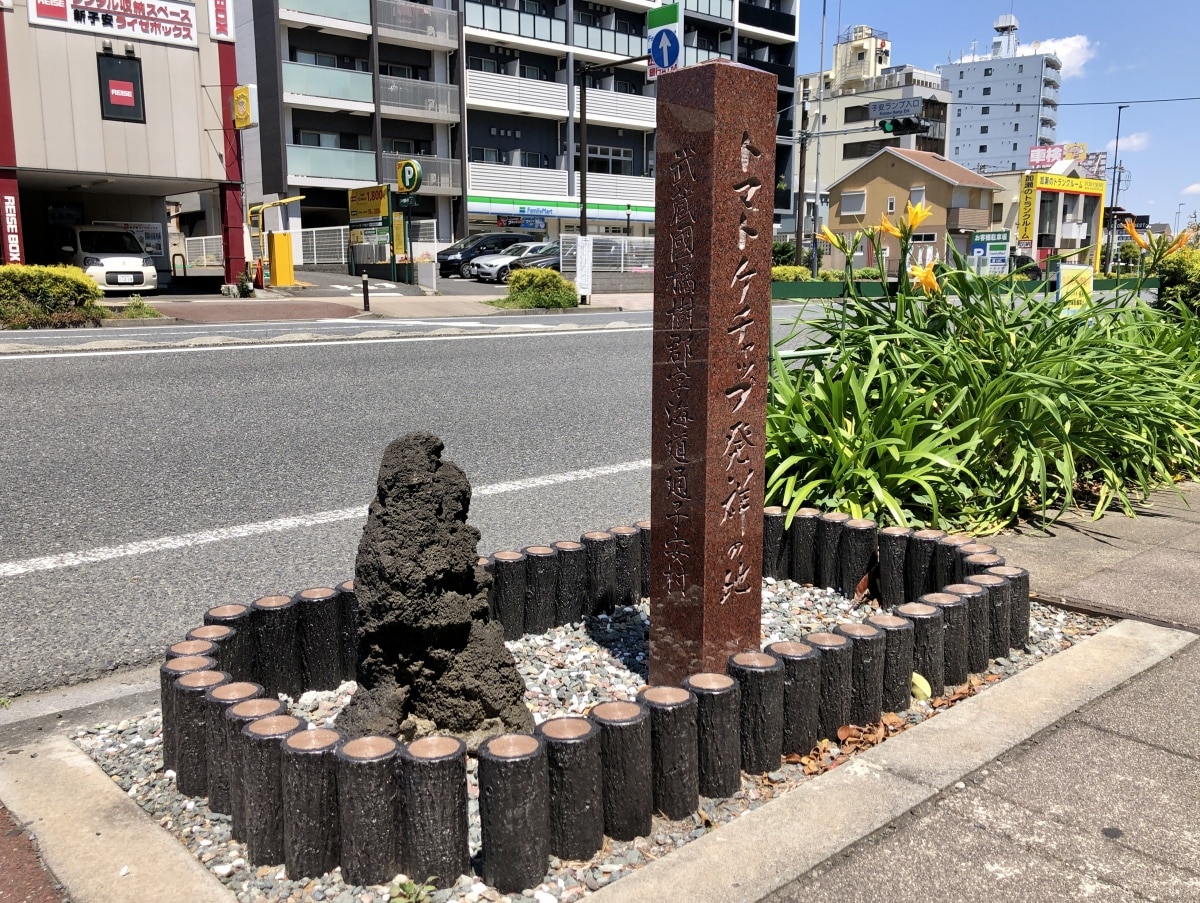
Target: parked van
[{"x": 113, "y": 257}]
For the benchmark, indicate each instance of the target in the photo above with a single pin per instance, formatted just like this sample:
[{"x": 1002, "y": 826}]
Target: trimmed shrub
[
  {"x": 791, "y": 274},
  {"x": 868, "y": 273},
  {"x": 50, "y": 288},
  {"x": 537, "y": 287},
  {"x": 783, "y": 254}
]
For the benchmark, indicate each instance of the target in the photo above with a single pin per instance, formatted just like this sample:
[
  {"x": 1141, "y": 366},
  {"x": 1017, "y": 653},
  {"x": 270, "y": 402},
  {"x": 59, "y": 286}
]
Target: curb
[{"x": 767, "y": 848}]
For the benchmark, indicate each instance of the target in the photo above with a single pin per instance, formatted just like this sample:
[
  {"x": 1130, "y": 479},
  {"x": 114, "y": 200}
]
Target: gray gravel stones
[{"x": 566, "y": 670}]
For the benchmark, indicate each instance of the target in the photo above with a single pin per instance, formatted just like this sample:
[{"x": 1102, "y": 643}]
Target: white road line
[
  {"x": 281, "y": 525},
  {"x": 315, "y": 343}
]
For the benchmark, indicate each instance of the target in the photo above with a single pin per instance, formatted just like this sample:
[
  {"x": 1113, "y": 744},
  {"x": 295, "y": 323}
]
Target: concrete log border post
[
  {"x": 348, "y": 628},
  {"x": 837, "y": 656},
  {"x": 508, "y": 592},
  {"x": 237, "y": 616},
  {"x": 802, "y": 541},
  {"x": 776, "y": 550},
  {"x": 955, "y": 635},
  {"x": 893, "y": 548},
  {"x": 718, "y": 732},
  {"x": 929, "y": 655},
  {"x": 368, "y": 809},
  {"x": 999, "y": 605},
  {"x": 761, "y": 677},
  {"x": 576, "y": 786},
  {"x": 570, "y": 598},
  {"x": 275, "y": 623},
  {"x": 217, "y": 700},
  {"x": 225, "y": 646},
  {"x": 170, "y": 671},
  {"x": 898, "y": 661},
  {"x": 675, "y": 776},
  {"x": 625, "y": 751},
  {"x": 868, "y": 648},
  {"x": 433, "y": 809},
  {"x": 191, "y": 717},
  {"x": 801, "y": 695},
  {"x": 979, "y": 629},
  {"x": 317, "y": 632},
  {"x": 541, "y": 585},
  {"x": 312, "y": 837},
  {"x": 261, "y": 774},
  {"x": 514, "y": 811},
  {"x": 627, "y": 564},
  {"x": 237, "y": 716}
]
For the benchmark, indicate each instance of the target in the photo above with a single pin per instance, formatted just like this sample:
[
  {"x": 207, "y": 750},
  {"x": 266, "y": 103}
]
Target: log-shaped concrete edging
[{"x": 652, "y": 736}]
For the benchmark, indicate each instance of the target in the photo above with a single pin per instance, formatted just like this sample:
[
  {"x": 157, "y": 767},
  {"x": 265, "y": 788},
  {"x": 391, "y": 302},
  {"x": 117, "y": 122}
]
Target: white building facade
[{"x": 1002, "y": 104}]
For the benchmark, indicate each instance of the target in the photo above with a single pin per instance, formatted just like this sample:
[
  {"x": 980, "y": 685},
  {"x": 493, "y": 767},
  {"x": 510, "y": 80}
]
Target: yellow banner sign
[
  {"x": 1049, "y": 182},
  {"x": 1028, "y": 209},
  {"x": 244, "y": 106},
  {"x": 368, "y": 203}
]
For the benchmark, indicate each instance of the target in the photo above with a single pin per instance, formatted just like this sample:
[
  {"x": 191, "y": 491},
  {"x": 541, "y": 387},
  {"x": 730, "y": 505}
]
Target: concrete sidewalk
[{"x": 1075, "y": 779}]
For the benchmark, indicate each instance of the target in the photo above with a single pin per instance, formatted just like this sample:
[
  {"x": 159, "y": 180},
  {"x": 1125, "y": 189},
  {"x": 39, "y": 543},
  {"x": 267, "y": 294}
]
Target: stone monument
[
  {"x": 714, "y": 202},
  {"x": 428, "y": 658}
]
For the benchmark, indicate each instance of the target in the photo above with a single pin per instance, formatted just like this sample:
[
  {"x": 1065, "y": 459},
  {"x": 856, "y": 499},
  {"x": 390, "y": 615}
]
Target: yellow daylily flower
[
  {"x": 924, "y": 277},
  {"x": 1133, "y": 233},
  {"x": 918, "y": 214},
  {"x": 1180, "y": 241},
  {"x": 886, "y": 225},
  {"x": 838, "y": 241}
]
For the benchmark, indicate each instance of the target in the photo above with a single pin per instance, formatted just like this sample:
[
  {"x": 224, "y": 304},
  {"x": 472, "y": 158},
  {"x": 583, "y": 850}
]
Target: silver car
[{"x": 496, "y": 267}]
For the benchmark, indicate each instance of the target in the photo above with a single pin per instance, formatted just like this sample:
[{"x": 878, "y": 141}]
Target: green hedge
[
  {"x": 538, "y": 287},
  {"x": 37, "y": 297}
]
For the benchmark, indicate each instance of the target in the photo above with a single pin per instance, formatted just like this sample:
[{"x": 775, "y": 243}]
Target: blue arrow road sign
[{"x": 664, "y": 51}]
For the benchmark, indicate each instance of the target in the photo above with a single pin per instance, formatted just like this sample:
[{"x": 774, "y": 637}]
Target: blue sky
[{"x": 1112, "y": 53}]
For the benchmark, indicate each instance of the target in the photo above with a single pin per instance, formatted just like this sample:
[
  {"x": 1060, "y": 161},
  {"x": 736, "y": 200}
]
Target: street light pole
[
  {"x": 1116, "y": 187},
  {"x": 817, "y": 164},
  {"x": 1178, "y": 208}
]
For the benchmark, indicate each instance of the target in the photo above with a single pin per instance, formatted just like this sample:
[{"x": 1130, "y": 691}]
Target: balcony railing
[
  {"x": 513, "y": 23},
  {"x": 968, "y": 218},
  {"x": 439, "y": 175},
  {"x": 785, "y": 74},
  {"x": 608, "y": 41},
  {"x": 622, "y": 189},
  {"x": 1049, "y": 94},
  {"x": 316, "y": 164},
  {"x": 619, "y": 109},
  {"x": 693, "y": 55},
  {"x": 326, "y": 82},
  {"x": 347, "y": 10},
  {"x": 719, "y": 9},
  {"x": 410, "y": 98},
  {"x": 416, "y": 24},
  {"x": 520, "y": 95},
  {"x": 495, "y": 178},
  {"x": 762, "y": 17}
]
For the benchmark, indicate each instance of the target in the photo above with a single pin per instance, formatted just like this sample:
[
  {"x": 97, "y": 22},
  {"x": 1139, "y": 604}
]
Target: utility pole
[
  {"x": 817, "y": 166},
  {"x": 1116, "y": 188}
]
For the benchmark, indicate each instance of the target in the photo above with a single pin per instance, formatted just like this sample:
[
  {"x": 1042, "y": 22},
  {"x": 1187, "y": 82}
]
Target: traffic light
[{"x": 906, "y": 126}]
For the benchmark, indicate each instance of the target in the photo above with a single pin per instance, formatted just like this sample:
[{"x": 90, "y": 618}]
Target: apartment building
[
  {"x": 1002, "y": 103},
  {"x": 104, "y": 113},
  {"x": 863, "y": 71},
  {"x": 486, "y": 96}
]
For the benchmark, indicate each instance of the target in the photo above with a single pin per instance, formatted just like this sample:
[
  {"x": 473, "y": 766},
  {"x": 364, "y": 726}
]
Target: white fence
[
  {"x": 328, "y": 246},
  {"x": 612, "y": 253}
]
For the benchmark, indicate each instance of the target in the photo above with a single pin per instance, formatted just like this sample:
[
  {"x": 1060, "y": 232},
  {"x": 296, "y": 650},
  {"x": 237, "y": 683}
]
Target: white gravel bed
[{"x": 567, "y": 670}]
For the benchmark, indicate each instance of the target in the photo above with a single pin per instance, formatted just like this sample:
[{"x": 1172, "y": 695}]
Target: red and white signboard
[
  {"x": 14, "y": 251},
  {"x": 1046, "y": 155},
  {"x": 121, "y": 94},
  {"x": 220, "y": 20},
  {"x": 160, "y": 21}
]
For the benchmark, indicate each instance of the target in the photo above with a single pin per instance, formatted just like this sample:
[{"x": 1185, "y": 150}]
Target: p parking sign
[{"x": 408, "y": 176}]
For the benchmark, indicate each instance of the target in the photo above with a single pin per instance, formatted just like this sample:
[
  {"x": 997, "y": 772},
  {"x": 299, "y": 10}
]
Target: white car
[
  {"x": 495, "y": 267},
  {"x": 113, "y": 257}
]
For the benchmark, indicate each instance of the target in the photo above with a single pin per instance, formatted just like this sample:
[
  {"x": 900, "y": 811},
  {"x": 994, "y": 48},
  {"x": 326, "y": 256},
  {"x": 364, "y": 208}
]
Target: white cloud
[
  {"x": 1075, "y": 52},
  {"x": 1137, "y": 141},
  {"x": 1194, "y": 188}
]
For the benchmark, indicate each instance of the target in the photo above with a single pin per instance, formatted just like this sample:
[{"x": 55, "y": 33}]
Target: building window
[
  {"x": 987, "y": 91},
  {"x": 121, "y": 96},
  {"x": 891, "y": 206},
  {"x": 916, "y": 195},
  {"x": 957, "y": 132},
  {"x": 998, "y": 213},
  {"x": 310, "y": 58},
  {"x": 319, "y": 139},
  {"x": 485, "y": 155},
  {"x": 958, "y": 111},
  {"x": 398, "y": 146},
  {"x": 617, "y": 161},
  {"x": 533, "y": 72},
  {"x": 1020, "y": 67},
  {"x": 960, "y": 93},
  {"x": 1014, "y": 145},
  {"x": 395, "y": 70},
  {"x": 854, "y": 203},
  {"x": 1018, "y": 108},
  {"x": 627, "y": 88},
  {"x": 956, "y": 150},
  {"x": 531, "y": 158},
  {"x": 983, "y": 130},
  {"x": 924, "y": 237},
  {"x": 855, "y": 114},
  {"x": 987, "y": 73},
  {"x": 960, "y": 73},
  {"x": 984, "y": 111},
  {"x": 1020, "y": 87},
  {"x": 983, "y": 148}
]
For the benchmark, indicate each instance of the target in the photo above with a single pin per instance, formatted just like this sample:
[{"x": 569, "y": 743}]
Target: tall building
[
  {"x": 1003, "y": 103},
  {"x": 104, "y": 113},
  {"x": 486, "y": 96},
  {"x": 863, "y": 71}
]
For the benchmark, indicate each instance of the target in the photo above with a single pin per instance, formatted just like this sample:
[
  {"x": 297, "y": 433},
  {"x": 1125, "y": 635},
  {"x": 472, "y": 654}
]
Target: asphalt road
[{"x": 188, "y": 454}]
